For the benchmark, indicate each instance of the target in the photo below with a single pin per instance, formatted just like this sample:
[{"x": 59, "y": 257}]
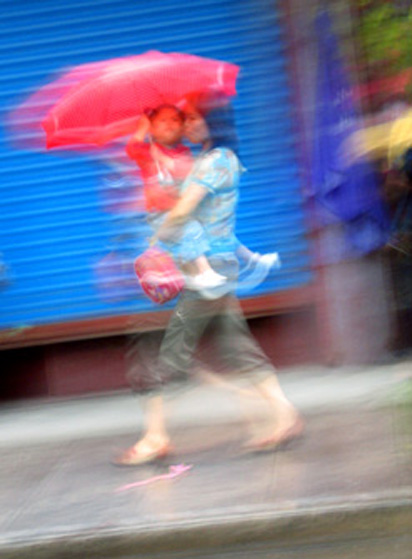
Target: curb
[{"x": 325, "y": 524}]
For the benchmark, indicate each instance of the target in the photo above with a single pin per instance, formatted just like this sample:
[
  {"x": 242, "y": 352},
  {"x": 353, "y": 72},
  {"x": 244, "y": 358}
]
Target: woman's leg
[
  {"x": 155, "y": 442},
  {"x": 173, "y": 362},
  {"x": 155, "y": 436},
  {"x": 242, "y": 353},
  {"x": 142, "y": 355},
  {"x": 289, "y": 423}
]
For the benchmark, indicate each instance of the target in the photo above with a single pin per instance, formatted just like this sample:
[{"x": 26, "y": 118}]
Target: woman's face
[{"x": 195, "y": 129}]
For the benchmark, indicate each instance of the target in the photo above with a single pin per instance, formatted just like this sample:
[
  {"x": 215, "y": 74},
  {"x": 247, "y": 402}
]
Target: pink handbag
[{"x": 158, "y": 275}]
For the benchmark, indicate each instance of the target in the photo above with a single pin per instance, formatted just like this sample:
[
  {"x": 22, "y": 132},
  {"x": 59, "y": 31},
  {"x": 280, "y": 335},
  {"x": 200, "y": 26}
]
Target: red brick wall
[{"x": 75, "y": 368}]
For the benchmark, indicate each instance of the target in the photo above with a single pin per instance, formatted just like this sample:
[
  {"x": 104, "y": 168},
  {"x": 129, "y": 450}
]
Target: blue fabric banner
[{"x": 342, "y": 192}]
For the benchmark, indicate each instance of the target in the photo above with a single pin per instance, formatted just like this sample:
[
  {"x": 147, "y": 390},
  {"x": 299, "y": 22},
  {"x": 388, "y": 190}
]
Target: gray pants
[{"x": 158, "y": 360}]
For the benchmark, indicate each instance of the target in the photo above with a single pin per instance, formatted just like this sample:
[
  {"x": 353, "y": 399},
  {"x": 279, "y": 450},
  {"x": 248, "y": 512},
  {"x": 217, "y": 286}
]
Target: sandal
[
  {"x": 277, "y": 442},
  {"x": 132, "y": 456}
]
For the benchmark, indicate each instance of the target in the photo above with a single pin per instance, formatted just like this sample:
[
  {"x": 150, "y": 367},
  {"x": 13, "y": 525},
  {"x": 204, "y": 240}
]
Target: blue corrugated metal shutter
[{"x": 58, "y": 222}]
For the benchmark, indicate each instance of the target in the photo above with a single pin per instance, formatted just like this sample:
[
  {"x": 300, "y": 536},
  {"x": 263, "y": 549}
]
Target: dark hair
[
  {"x": 152, "y": 113},
  {"x": 219, "y": 115}
]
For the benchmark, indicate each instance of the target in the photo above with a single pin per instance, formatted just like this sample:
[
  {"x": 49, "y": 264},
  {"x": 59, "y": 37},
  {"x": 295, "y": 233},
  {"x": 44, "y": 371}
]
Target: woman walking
[{"x": 210, "y": 196}]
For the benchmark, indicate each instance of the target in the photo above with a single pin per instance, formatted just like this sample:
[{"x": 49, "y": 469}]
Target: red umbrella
[
  {"x": 25, "y": 121},
  {"x": 109, "y": 103}
]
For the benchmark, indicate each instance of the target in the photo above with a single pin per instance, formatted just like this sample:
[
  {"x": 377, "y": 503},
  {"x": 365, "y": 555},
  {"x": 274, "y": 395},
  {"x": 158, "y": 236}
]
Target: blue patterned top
[{"x": 218, "y": 171}]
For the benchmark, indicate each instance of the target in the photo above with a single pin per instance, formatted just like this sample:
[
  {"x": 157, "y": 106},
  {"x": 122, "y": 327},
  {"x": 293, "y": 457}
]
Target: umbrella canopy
[
  {"x": 25, "y": 121},
  {"x": 108, "y": 103}
]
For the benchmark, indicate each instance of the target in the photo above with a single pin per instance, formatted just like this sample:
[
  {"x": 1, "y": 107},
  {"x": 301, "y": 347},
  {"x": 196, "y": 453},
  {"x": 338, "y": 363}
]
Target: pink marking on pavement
[{"x": 174, "y": 471}]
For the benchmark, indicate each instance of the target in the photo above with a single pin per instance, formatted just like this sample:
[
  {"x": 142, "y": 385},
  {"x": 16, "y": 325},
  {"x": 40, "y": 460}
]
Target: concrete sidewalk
[
  {"x": 313, "y": 389},
  {"x": 344, "y": 491}
]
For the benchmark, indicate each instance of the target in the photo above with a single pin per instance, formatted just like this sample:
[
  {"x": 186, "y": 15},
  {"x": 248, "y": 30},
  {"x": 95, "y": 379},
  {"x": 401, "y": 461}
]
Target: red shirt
[{"x": 161, "y": 184}]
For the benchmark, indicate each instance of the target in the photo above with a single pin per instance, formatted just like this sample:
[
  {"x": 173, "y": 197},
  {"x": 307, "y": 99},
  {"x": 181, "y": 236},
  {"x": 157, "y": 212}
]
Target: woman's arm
[
  {"x": 208, "y": 177},
  {"x": 187, "y": 204}
]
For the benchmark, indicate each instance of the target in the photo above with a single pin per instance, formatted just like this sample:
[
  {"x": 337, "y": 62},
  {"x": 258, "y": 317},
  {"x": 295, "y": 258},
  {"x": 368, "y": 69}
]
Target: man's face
[{"x": 167, "y": 127}]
